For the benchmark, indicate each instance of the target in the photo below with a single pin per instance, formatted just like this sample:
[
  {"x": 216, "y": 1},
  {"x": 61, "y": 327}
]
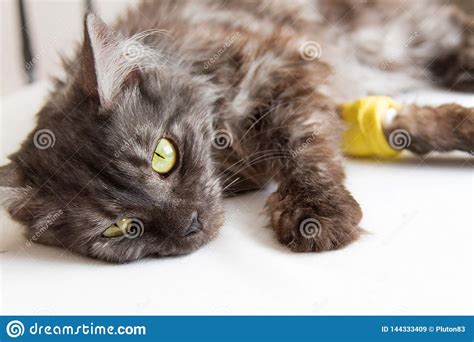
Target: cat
[{"x": 236, "y": 94}]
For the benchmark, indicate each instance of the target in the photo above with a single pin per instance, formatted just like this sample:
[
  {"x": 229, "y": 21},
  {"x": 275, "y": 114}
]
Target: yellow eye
[
  {"x": 164, "y": 157},
  {"x": 119, "y": 228}
]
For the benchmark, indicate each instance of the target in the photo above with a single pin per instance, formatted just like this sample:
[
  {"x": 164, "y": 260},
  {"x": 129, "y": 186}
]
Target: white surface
[{"x": 418, "y": 258}]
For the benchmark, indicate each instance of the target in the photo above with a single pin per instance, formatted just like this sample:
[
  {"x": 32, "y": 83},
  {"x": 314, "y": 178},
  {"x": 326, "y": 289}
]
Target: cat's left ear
[{"x": 106, "y": 68}]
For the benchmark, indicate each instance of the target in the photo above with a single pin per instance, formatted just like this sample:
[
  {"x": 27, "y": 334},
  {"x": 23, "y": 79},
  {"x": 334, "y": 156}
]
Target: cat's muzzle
[{"x": 195, "y": 226}]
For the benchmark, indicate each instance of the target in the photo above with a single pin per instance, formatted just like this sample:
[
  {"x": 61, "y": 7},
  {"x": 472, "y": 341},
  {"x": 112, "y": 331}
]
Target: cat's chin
[{"x": 172, "y": 247}]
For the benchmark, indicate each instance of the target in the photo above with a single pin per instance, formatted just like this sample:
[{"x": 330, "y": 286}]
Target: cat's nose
[{"x": 195, "y": 225}]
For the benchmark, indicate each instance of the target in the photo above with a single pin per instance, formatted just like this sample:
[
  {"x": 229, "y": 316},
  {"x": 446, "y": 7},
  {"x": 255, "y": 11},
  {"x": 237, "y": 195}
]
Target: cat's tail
[{"x": 377, "y": 126}]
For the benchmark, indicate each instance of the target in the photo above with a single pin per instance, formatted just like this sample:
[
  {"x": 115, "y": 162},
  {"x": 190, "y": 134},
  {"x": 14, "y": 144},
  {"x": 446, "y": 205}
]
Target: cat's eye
[
  {"x": 117, "y": 229},
  {"x": 164, "y": 157}
]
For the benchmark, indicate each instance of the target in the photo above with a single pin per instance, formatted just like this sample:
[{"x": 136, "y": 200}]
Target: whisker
[
  {"x": 248, "y": 157},
  {"x": 227, "y": 186},
  {"x": 272, "y": 109},
  {"x": 264, "y": 158}
]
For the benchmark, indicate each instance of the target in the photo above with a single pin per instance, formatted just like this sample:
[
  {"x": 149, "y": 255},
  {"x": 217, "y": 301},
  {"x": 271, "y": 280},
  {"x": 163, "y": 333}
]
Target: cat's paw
[{"x": 313, "y": 225}]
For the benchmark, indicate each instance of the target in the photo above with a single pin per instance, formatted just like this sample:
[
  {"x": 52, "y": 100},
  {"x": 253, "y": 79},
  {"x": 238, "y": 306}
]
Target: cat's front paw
[{"x": 312, "y": 225}]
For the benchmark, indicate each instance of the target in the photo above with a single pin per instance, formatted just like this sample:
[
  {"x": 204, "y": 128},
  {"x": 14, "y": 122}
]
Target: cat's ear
[
  {"x": 105, "y": 67},
  {"x": 11, "y": 190}
]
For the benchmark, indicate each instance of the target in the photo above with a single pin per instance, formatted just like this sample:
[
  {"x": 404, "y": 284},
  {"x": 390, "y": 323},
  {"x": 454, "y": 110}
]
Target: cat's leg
[
  {"x": 290, "y": 132},
  {"x": 422, "y": 129},
  {"x": 311, "y": 210},
  {"x": 295, "y": 141}
]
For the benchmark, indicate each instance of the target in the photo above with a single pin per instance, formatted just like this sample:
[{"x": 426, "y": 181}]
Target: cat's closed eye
[
  {"x": 128, "y": 227},
  {"x": 117, "y": 229}
]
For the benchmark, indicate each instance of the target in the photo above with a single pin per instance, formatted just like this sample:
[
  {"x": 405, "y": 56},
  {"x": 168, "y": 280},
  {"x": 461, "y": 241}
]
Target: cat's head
[{"x": 119, "y": 166}]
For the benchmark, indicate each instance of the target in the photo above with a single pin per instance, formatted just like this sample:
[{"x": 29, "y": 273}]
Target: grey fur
[{"x": 193, "y": 70}]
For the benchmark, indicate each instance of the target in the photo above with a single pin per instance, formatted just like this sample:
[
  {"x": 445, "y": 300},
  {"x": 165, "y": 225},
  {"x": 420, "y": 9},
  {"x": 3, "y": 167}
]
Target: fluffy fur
[{"x": 248, "y": 92}]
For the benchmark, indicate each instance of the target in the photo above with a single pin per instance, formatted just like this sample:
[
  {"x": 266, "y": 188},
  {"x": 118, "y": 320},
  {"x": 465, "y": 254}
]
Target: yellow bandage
[{"x": 364, "y": 136}]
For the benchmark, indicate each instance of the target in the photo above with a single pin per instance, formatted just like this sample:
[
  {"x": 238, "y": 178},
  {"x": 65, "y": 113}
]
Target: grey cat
[{"x": 183, "y": 102}]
